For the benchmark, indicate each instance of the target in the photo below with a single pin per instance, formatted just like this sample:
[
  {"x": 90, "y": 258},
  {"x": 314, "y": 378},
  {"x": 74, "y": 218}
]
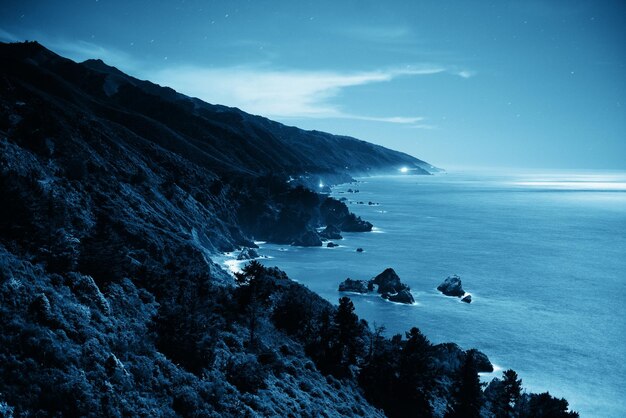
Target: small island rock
[
  {"x": 451, "y": 286},
  {"x": 358, "y": 286},
  {"x": 332, "y": 245},
  {"x": 403, "y": 296},
  {"x": 388, "y": 282},
  {"x": 248, "y": 254},
  {"x": 467, "y": 298},
  {"x": 359, "y": 250}
]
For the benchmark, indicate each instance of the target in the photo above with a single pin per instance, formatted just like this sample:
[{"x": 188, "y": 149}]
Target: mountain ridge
[
  {"x": 203, "y": 126},
  {"x": 115, "y": 200}
]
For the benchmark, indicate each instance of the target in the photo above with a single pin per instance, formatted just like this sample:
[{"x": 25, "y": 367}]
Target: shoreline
[{"x": 485, "y": 376}]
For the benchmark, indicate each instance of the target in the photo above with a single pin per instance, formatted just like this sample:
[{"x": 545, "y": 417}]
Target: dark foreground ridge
[{"x": 116, "y": 193}]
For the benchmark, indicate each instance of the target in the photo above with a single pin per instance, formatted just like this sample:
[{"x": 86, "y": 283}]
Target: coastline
[
  {"x": 538, "y": 376},
  {"x": 115, "y": 204}
]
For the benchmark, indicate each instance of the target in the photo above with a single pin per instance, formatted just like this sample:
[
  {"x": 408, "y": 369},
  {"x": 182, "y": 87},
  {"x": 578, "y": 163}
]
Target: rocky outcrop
[
  {"x": 331, "y": 232},
  {"x": 113, "y": 183},
  {"x": 336, "y": 213},
  {"x": 483, "y": 365},
  {"x": 308, "y": 239},
  {"x": 359, "y": 250},
  {"x": 452, "y": 286},
  {"x": 354, "y": 223},
  {"x": 449, "y": 358},
  {"x": 332, "y": 245},
  {"x": 358, "y": 286},
  {"x": 403, "y": 296},
  {"x": 467, "y": 299},
  {"x": 387, "y": 284},
  {"x": 248, "y": 254}
]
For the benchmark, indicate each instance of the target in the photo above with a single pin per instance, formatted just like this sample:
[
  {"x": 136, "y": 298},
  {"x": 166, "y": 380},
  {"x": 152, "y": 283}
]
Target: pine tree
[
  {"x": 468, "y": 399},
  {"x": 347, "y": 323},
  {"x": 511, "y": 392},
  {"x": 251, "y": 296},
  {"x": 415, "y": 375}
]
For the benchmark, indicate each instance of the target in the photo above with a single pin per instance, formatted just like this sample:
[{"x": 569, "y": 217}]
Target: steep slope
[
  {"x": 223, "y": 139},
  {"x": 116, "y": 194},
  {"x": 113, "y": 204}
]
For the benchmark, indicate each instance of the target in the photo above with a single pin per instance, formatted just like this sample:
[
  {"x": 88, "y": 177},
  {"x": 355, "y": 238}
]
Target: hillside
[
  {"x": 116, "y": 195},
  {"x": 219, "y": 138}
]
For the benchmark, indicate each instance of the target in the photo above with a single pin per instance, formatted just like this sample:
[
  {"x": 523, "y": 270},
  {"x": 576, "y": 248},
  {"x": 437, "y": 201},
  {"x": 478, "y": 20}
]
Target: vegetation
[{"x": 110, "y": 304}]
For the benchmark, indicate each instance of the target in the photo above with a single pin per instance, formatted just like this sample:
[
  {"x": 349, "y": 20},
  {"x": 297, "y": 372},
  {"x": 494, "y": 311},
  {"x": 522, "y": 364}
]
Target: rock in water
[
  {"x": 388, "y": 282},
  {"x": 403, "y": 296},
  {"x": 358, "y": 286},
  {"x": 332, "y": 245},
  {"x": 467, "y": 299},
  {"x": 331, "y": 232},
  {"x": 308, "y": 239},
  {"x": 359, "y": 250},
  {"x": 248, "y": 254},
  {"x": 451, "y": 286}
]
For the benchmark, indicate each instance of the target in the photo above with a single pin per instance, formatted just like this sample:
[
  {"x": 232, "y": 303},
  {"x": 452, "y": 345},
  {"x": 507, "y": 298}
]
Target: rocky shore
[{"x": 118, "y": 192}]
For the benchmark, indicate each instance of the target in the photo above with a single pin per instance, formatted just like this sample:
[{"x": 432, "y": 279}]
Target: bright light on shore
[{"x": 404, "y": 170}]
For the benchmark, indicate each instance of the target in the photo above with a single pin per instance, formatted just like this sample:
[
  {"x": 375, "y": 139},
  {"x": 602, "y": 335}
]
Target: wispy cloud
[
  {"x": 289, "y": 93},
  {"x": 466, "y": 73},
  {"x": 280, "y": 94},
  {"x": 8, "y": 36},
  {"x": 83, "y": 50},
  {"x": 78, "y": 50}
]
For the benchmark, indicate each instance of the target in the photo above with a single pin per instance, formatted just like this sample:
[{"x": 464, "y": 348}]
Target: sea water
[{"x": 542, "y": 254}]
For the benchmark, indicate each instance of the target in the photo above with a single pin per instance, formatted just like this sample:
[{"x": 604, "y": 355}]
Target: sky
[{"x": 512, "y": 84}]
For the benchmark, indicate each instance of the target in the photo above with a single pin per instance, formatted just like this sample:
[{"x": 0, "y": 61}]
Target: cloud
[
  {"x": 77, "y": 50},
  {"x": 8, "y": 36},
  {"x": 83, "y": 50},
  {"x": 279, "y": 94},
  {"x": 423, "y": 126},
  {"x": 289, "y": 93},
  {"x": 465, "y": 73}
]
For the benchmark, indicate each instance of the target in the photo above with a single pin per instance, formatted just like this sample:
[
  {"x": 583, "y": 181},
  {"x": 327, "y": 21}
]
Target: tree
[
  {"x": 544, "y": 405},
  {"x": 468, "y": 395},
  {"x": 415, "y": 375},
  {"x": 251, "y": 271},
  {"x": 376, "y": 341},
  {"x": 348, "y": 331},
  {"x": 378, "y": 376},
  {"x": 507, "y": 401},
  {"x": 295, "y": 313},
  {"x": 252, "y": 295},
  {"x": 348, "y": 328}
]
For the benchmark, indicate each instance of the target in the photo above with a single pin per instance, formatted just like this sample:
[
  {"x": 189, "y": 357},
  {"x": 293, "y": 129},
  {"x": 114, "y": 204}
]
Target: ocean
[{"x": 543, "y": 255}]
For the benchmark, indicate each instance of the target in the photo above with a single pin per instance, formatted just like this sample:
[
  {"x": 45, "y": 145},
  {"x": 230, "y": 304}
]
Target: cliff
[{"x": 116, "y": 194}]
